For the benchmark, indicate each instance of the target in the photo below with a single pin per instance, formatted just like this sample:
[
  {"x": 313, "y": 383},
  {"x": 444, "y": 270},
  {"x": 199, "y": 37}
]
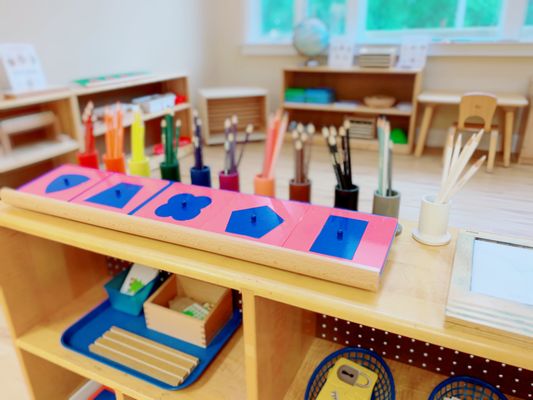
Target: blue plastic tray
[{"x": 93, "y": 325}]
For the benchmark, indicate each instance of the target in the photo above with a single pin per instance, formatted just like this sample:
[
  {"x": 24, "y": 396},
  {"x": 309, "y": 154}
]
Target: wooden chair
[{"x": 480, "y": 105}]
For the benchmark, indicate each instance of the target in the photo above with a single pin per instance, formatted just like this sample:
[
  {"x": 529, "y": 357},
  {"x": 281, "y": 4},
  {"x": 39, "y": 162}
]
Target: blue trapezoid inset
[
  {"x": 254, "y": 222},
  {"x": 117, "y": 196},
  {"x": 339, "y": 237}
]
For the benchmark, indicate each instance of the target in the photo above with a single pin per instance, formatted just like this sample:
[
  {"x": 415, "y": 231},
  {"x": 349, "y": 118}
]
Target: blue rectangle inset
[{"x": 339, "y": 237}]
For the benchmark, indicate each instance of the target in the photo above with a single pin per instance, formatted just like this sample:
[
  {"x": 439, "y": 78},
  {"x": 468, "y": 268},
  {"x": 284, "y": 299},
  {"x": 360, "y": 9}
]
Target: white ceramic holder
[{"x": 433, "y": 222}]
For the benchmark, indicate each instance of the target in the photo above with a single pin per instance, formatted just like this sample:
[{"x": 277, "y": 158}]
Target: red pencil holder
[
  {"x": 115, "y": 164},
  {"x": 300, "y": 191},
  {"x": 89, "y": 160},
  {"x": 229, "y": 181}
]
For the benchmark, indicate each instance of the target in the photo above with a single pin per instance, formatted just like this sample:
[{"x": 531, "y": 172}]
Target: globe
[{"x": 311, "y": 38}]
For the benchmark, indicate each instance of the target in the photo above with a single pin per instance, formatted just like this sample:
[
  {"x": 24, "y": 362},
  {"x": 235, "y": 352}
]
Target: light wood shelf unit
[
  {"x": 31, "y": 160},
  {"x": 125, "y": 92},
  {"x": 278, "y": 347},
  {"x": 35, "y": 153},
  {"x": 354, "y": 84}
]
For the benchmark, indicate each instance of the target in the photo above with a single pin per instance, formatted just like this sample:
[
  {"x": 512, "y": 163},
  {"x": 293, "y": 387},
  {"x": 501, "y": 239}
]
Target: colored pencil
[
  {"x": 465, "y": 178},
  {"x": 249, "y": 131},
  {"x": 277, "y": 145}
]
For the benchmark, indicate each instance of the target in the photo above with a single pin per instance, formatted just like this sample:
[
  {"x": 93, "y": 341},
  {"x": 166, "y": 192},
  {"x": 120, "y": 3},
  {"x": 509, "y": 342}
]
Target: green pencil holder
[{"x": 170, "y": 172}]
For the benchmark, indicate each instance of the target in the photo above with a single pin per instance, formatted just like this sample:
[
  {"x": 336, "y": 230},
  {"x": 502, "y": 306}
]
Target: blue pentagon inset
[{"x": 254, "y": 222}]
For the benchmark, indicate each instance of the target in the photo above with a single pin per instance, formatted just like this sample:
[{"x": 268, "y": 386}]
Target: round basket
[
  {"x": 465, "y": 387},
  {"x": 379, "y": 101},
  {"x": 384, "y": 389}
]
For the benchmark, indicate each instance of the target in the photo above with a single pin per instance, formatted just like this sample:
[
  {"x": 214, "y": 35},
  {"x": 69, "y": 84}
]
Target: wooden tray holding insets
[{"x": 342, "y": 246}]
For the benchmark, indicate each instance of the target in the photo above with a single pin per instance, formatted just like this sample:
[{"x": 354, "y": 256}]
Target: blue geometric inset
[
  {"x": 64, "y": 182},
  {"x": 117, "y": 196},
  {"x": 339, "y": 237},
  {"x": 183, "y": 207},
  {"x": 253, "y": 222}
]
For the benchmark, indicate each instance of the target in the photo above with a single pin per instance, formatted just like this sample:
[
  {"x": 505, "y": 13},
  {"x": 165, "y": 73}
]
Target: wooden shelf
[
  {"x": 36, "y": 152},
  {"x": 8, "y": 104},
  {"x": 360, "y": 109},
  {"x": 353, "y": 70},
  {"x": 223, "y": 379},
  {"x": 99, "y": 128},
  {"x": 410, "y": 302},
  {"x": 141, "y": 80}
]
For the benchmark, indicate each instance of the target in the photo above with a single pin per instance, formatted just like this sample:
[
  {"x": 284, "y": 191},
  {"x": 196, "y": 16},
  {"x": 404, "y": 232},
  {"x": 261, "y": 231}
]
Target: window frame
[{"x": 511, "y": 27}]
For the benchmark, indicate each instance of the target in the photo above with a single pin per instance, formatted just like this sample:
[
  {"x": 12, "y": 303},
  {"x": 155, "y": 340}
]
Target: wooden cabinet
[
  {"x": 53, "y": 271},
  {"x": 354, "y": 84}
]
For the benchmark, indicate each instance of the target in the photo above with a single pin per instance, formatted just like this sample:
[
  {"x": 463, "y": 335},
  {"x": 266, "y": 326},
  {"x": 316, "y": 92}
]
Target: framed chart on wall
[{"x": 20, "y": 69}]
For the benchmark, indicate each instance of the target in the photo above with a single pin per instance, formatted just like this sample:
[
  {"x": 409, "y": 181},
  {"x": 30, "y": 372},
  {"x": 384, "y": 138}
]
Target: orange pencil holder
[
  {"x": 264, "y": 186},
  {"x": 115, "y": 164}
]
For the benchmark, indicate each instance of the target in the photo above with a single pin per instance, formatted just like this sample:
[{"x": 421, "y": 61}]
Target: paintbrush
[{"x": 249, "y": 131}]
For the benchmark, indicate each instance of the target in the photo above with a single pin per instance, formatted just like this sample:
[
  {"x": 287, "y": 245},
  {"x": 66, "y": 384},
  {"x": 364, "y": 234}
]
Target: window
[{"x": 386, "y": 21}]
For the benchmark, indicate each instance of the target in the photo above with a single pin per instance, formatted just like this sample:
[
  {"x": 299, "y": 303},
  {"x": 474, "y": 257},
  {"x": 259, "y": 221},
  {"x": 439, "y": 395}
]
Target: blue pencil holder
[
  {"x": 201, "y": 176},
  {"x": 129, "y": 304},
  {"x": 384, "y": 389},
  {"x": 465, "y": 387}
]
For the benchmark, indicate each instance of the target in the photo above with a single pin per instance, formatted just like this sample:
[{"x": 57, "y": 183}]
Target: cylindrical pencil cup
[
  {"x": 201, "y": 176},
  {"x": 433, "y": 222},
  {"x": 229, "y": 181},
  {"x": 170, "y": 172},
  {"x": 264, "y": 186},
  {"x": 347, "y": 198},
  {"x": 139, "y": 168},
  {"x": 89, "y": 160},
  {"x": 388, "y": 206},
  {"x": 115, "y": 164},
  {"x": 300, "y": 191}
]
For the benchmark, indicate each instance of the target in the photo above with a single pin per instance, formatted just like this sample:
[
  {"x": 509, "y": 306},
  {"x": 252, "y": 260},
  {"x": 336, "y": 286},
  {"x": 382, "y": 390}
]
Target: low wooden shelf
[
  {"x": 354, "y": 84},
  {"x": 52, "y": 274}
]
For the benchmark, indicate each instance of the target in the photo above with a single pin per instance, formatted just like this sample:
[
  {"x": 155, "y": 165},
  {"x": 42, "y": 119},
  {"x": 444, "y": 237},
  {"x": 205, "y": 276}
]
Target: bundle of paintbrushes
[
  {"x": 170, "y": 137},
  {"x": 200, "y": 173},
  {"x": 229, "y": 176},
  {"x": 300, "y": 185},
  {"x": 114, "y": 140},
  {"x": 89, "y": 158},
  {"x": 277, "y": 126},
  {"x": 455, "y": 162},
  {"x": 346, "y": 193},
  {"x": 385, "y": 158},
  {"x": 386, "y": 200}
]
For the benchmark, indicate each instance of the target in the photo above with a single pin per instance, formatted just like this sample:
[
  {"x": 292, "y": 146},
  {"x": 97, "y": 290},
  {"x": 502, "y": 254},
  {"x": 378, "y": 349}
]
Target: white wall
[
  {"x": 84, "y": 38},
  {"x": 230, "y": 67}
]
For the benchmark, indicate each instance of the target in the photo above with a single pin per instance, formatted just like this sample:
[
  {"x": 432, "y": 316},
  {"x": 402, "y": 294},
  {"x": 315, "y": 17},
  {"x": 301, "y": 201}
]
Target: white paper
[
  {"x": 341, "y": 52},
  {"x": 22, "y": 68},
  {"x": 503, "y": 270},
  {"x": 413, "y": 52},
  {"x": 138, "y": 277}
]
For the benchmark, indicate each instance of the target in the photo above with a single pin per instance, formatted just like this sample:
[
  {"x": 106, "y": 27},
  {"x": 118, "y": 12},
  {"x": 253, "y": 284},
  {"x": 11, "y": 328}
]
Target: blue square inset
[{"x": 339, "y": 237}]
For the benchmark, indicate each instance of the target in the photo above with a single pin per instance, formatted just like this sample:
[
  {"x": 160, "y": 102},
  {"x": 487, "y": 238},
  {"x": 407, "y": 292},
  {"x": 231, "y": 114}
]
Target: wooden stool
[{"x": 483, "y": 106}]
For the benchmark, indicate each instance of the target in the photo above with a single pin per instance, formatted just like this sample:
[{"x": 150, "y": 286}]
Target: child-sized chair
[{"x": 481, "y": 105}]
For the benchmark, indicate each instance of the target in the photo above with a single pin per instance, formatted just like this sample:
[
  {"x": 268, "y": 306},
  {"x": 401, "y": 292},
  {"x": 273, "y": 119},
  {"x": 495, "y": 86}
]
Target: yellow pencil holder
[{"x": 139, "y": 168}]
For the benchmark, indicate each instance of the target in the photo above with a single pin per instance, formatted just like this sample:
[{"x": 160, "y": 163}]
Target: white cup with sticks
[{"x": 435, "y": 210}]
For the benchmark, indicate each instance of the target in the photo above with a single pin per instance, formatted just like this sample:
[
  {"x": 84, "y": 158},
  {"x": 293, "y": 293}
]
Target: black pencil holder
[
  {"x": 201, "y": 176},
  {"x": 347, "y": 198},
  {"x": 170, "y": 171}
]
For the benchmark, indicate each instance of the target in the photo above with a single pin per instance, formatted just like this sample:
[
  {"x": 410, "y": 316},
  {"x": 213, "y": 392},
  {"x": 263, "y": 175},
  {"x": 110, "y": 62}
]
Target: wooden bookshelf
[
  {"x": 53, "y": 271},
  {"x": 353, "y": 84},
  {"x": 30, "y": 160}
]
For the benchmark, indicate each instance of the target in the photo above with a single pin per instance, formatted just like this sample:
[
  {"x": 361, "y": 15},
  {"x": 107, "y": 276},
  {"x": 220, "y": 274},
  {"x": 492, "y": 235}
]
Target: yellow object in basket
[{"x": 348, "y": 380}]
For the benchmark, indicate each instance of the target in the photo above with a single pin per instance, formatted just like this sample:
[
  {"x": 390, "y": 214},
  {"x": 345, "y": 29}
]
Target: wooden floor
[{"x": 501, "y": 202}]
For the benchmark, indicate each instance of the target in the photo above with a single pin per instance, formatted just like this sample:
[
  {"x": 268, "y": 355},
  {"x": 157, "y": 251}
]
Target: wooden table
[{"x": 507, "y": 101}]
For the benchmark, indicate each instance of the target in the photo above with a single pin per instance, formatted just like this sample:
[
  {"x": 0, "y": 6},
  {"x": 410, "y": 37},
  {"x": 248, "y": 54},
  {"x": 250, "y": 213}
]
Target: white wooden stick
[
  {"x": 461, "y": 163},
  {"x": 447, "y": 158},
  {"x": 466, "y": 177}
]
